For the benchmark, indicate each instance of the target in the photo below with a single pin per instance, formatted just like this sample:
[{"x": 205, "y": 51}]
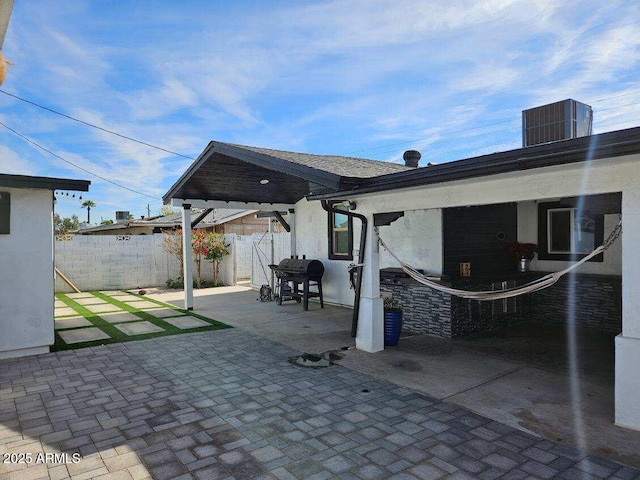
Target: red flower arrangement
[{"x": 522, "y": 250}]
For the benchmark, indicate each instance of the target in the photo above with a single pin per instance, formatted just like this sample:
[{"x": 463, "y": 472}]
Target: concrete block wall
[{"x": 103, "y": 262}]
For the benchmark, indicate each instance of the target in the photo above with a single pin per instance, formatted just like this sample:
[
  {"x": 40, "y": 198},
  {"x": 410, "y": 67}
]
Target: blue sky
[{"x": 352, "y": 77}]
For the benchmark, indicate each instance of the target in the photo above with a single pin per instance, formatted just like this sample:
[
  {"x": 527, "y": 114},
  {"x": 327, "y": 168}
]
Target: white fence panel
[
  {"x": 267, "y": 249},
  {"x": 243, "y": 256}
]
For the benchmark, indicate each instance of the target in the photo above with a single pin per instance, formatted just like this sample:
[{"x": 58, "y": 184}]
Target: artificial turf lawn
[{"x": 119, "y": 336}]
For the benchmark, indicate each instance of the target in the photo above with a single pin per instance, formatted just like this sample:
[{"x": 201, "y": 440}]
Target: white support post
[
  {"x": 370, "y": 336},
  {"x": 292, "y": 233},
  {"x": 187, "y": 257},
  {"x": 627, "y": 382}
]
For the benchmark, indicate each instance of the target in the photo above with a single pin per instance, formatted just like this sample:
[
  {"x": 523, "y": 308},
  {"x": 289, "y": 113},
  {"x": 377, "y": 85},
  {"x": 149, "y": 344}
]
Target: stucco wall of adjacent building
[{"x": 26, "y": 275}]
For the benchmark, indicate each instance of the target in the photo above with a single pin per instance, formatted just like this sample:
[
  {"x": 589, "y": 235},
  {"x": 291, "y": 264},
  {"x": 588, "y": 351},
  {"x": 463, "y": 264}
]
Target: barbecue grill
[{"x": 293, "y": 272}]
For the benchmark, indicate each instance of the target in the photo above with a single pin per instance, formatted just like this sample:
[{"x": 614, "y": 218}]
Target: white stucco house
[
  {"x": 565, "y": 196},
  {"x": 26, "y": 262}
]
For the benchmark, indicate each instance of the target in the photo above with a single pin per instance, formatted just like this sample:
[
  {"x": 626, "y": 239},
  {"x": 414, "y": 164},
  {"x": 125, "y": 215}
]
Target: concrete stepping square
[
  {"x": 59, "y": 304},
  {"x": 166, "y": 312},
  {"x": 90, "y": 301},
  {"x": 72, "y": 322},
  {"x": 79, "y": 295},
  {"x": 139, "y": 328},
  {"x": 105, "y": 307},
  {"x": 131, "y": 298},
  {"x": 83, "y": 335},
  {"x": 120, "y": 317},
  {"x": 144, "y": 305},
  {"x": 186, "y": 322},
  {"x": 114, "y": 293},
  {"x": 64, "y": 311}
]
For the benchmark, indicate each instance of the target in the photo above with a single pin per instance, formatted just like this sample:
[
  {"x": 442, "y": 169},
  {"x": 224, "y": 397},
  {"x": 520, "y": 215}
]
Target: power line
[
  {"x": 106, "y": 130},
  {"x": 27, "y": 139}
]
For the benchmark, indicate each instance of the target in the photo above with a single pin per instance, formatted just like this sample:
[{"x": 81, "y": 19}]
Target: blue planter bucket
[{"x": 392, "y": 327}]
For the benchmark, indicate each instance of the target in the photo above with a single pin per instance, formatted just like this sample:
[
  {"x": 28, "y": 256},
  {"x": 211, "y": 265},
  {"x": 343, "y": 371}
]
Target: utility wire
[
  {"x": 95, "y": 126},
  {"x": 27, "y": 139}
]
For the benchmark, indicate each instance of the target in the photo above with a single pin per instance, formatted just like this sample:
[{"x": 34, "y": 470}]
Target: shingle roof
[{"x": 339, "y": 165}]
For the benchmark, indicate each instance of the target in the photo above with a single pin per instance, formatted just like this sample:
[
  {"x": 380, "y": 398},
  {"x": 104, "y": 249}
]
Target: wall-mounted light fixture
[{"x": 264, "y": 181}]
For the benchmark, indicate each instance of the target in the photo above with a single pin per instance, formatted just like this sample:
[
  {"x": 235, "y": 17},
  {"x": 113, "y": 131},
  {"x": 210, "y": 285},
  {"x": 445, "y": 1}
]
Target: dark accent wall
[
  {"x": 595, "y": 300},
  {"x": 479, "y": 235},
  {"x": 598, "y": 306}
]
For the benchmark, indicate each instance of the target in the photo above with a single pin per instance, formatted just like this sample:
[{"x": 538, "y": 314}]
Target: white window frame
[{"x": 572, "y": 231}]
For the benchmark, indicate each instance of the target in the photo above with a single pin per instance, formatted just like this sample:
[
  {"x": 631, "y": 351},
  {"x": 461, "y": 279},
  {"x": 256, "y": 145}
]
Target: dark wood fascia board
[
  {"x": 44, "y": 183},
  {"x": 494, "y": 164}
]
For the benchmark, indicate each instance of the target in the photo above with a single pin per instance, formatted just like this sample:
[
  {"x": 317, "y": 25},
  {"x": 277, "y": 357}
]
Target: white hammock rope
[{"x": 533, "y": 286}]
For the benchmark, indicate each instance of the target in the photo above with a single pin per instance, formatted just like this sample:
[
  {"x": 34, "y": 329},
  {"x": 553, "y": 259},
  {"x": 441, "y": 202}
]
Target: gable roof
[{"x": 229, "y": 172}]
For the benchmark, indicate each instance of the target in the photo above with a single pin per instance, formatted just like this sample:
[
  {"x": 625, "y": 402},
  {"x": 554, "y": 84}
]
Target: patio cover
[{"x": 233, "y": 176}]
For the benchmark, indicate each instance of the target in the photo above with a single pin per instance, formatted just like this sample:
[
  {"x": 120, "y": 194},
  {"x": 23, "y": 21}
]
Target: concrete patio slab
[
  {"x": 103, "y": 308},
  {"x": 166, "y": 312},
  {"x": 71, "y": 322},
  {"x": 79, "y": 295},
  {"x": 139, "y": 328},
  {"x": 59, "y": 304},
  {"x": 64, "y": 311},
  {"x": 142, "y": 305},
  {"x": 90, "y": 301},
  {"x": 83, "y": 335},
  {"x": 120, "y": 317},
  {"x": 228, "y": 404},
  {"x": 186, "y": 322},
  {"x": 115, "y": 293}
]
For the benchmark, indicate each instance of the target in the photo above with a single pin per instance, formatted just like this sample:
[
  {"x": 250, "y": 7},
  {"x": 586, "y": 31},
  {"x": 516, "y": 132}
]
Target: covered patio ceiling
[{"x": 236, "y": 176}]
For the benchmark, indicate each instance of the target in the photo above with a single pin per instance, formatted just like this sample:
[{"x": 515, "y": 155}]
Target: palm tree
[{"x": 88, "y": 204}]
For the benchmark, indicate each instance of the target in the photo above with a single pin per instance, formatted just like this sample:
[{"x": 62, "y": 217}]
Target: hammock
[{"x": 533, "y": 286}]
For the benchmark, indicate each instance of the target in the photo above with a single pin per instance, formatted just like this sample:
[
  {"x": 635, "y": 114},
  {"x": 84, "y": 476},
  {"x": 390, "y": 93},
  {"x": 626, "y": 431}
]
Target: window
[
  {"x": 567, "y": 233},
  {"x": 5, "y": 213},
  {"x": 340, "y": 234}
]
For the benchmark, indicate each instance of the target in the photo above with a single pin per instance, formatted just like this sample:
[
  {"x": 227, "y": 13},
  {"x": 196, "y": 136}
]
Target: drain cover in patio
[
  {"x": 139, "y": 328},
  {"x": 186, "y": 322},
  {"x": 83, "y": 335}
]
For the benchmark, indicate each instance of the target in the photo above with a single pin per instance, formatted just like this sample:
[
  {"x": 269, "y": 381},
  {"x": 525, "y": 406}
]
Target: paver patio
[{"x": 228, "y": 404}]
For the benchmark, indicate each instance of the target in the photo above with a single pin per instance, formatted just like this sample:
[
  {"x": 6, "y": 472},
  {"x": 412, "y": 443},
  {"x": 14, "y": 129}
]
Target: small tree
[
  {"x": 172, "y": 244},
  {"x": 217, "y": 251},
  {"x": 200, "y": 245},
  {"x": 65, "y": 225},
  {"x": 205, "y": 245}
]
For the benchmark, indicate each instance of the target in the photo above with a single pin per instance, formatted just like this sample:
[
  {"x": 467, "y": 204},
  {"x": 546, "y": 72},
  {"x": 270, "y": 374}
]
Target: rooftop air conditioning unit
[
  {"x": 122, "y": 217},
  {"x": 556, "y": 121}
]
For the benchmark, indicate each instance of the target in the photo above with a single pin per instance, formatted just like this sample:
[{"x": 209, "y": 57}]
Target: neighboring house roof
[
  {"x": 45, "y": 183},
  {"x": 217, "y": 217},
  {"x": 589, "y": 148},
  {"x": 229, "y": 172}
]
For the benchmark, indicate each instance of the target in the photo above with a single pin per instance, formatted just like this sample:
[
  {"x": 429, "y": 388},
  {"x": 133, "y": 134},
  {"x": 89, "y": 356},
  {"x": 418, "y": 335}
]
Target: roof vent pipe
[{"x": 411, "y": 158}]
